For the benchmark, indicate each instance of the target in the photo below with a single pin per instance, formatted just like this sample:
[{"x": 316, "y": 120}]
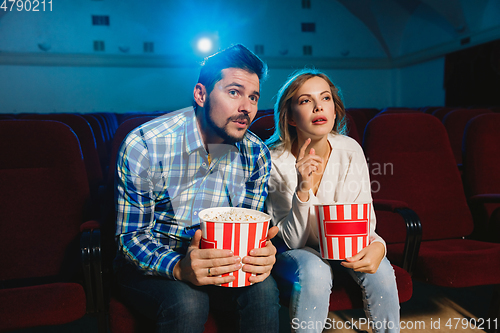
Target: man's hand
[
  {"x": 261, "y": 260},
  {"x": 194, "y": 267},
  {"x": 367, "y": 260}
]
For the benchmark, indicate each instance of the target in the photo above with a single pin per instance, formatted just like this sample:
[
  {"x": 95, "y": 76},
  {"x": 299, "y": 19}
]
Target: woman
[{"x": 314, "y": 162}]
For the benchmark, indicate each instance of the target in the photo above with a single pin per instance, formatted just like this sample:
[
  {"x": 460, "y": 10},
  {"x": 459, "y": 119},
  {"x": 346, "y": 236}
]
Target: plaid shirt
[{"x": 164, "y": 179}]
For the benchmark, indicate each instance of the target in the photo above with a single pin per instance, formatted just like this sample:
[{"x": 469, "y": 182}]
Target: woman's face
[{"x": 313, "y": 109}]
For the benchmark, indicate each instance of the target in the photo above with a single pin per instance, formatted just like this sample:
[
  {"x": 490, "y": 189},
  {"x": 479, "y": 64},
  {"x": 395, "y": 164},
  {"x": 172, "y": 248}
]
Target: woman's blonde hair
[{"x": 285, "y": 134}]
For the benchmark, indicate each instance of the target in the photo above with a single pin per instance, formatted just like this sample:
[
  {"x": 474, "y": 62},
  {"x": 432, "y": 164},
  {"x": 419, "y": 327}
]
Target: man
[{"x": 171, "y": 168}]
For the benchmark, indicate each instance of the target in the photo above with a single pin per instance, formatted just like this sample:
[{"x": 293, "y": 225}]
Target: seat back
[
  {"x": 360, "y": 118},
  {"x": 352, "y": 129},
  {"x": 455, "y": 122},
  {"x": 398, "y": 110},
  {"x": 411, "y": 160},
  {"x": 121, "y": 132},
  {"x": 430, "y": 109},
  {"x": 441, "y": 112},
  {"x": 481, "y": 149},
  {"x": 86, "y": 137},
  {"x": 263, "y": 126},
  {"x": 43, "y": 198},
  {"x": 100, "y": 140}
]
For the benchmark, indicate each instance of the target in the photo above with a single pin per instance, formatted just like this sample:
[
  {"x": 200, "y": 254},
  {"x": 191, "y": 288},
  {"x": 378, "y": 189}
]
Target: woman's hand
[
  {"x": 306, "y": 165},
  {"x": 367, "y": 260}
]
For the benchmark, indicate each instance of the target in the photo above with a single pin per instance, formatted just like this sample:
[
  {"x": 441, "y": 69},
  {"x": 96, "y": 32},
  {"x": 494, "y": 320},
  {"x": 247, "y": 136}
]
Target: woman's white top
[{"x": 345, "y": 180}]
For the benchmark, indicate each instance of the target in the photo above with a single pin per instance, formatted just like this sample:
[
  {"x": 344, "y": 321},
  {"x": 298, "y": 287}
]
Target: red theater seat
[
  {"x": 398, "y": 110},
  {"x": 441, "y": 112},
  {"x": 481, "y": 149},
  {"x": 361, "y": 117},
  {"x": 430, "y": 109},
  {"x": 263, "y": 126},
  {"x": 455, "y": 122},
  {"x": 424, "y": 176},
  {"x": 100, "y": 139},
  {"x": 42, "y": 203},
  {"x": 87, "y": 141},
  {"x": 352, "y": 129}
]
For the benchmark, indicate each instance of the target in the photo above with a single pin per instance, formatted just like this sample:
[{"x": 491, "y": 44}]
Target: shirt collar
[{"x": 192, "y": 133}]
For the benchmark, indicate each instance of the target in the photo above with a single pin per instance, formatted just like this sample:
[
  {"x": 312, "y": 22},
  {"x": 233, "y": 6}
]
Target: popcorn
[{"x": 232, "y": 215}]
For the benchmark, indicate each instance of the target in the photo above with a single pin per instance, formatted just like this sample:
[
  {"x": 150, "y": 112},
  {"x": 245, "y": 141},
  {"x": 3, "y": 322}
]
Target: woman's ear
[
  {"x": 200, "y": 94},
  {"x": 291, "y": 122}
]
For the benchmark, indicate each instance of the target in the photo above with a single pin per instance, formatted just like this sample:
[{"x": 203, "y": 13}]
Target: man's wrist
[{"x": 176, "y": 272}]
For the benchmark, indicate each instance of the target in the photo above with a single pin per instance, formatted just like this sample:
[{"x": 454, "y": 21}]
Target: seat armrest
[
  {"x": 483, "y": 208},
  {"x": 96, "y": 261},
  {"x": 90, "y": 225},
  {"x": 85, "y": 255},
  {"x": 413, "y": 229},
  {"x": 90, "y": 247}
]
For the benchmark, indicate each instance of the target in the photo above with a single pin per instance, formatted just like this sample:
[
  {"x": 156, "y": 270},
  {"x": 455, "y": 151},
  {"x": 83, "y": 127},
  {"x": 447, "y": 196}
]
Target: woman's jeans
[
  {"x": 178, "y": 306},
  {"x": 303, "y": 276}
]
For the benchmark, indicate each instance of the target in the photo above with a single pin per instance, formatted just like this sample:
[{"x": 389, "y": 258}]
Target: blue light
[{"x": 205, "y": 45}]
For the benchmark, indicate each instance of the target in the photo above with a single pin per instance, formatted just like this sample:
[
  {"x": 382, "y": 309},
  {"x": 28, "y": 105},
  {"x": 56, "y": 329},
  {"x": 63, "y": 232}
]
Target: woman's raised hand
[{"x": 306, "y": 165}]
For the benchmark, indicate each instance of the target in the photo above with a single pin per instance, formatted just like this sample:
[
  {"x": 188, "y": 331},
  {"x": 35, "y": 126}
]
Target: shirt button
[{"x": 195, "y": 213}]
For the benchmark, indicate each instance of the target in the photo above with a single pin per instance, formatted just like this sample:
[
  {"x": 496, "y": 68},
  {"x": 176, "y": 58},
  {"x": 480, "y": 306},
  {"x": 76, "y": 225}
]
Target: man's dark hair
[{"x": 235, "y": 56}]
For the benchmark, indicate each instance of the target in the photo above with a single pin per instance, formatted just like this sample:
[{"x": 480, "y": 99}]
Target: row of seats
[
  {"x": 104, "y": 125},
  {"x": 407, "y": 224},
  {"x": 454, "y": 120},
  {"x": 424, "y": 177}
]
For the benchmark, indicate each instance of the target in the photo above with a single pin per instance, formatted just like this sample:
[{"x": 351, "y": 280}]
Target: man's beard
[{"x": 229, "y": 139}]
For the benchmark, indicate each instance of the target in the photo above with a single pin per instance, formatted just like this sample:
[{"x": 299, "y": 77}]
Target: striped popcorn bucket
[
  {"x": 344, "y": 229},
  {"x": 238, "y": 236}
]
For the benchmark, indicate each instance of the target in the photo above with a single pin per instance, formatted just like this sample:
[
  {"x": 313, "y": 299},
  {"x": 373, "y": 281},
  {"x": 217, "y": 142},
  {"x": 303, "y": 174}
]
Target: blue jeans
[
  {"x": 178, "y": 306},
  {"x": 307, "y": 279}
]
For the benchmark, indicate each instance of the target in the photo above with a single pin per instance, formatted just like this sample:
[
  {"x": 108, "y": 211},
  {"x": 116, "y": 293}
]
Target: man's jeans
[{"x": 178, "y": 306}]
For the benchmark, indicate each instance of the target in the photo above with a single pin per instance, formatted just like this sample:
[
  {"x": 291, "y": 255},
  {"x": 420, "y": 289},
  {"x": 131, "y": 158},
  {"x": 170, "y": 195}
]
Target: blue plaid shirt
[{"x": 164, "y": 179}]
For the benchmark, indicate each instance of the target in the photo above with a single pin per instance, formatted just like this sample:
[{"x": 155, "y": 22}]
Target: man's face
[{"x": 232, "y": 105}]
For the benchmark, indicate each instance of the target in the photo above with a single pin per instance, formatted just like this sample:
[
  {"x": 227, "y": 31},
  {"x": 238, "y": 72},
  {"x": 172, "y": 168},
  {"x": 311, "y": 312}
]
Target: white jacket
[{"x": 345, "y": 180}]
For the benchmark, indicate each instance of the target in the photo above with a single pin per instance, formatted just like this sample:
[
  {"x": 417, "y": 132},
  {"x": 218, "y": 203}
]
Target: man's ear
[{"x": 200, "y": 94}]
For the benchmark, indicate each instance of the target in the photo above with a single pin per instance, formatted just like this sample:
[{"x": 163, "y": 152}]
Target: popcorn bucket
[
  {"x": 344, "y": 229},
  {"x": 237, "y": 229}
]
